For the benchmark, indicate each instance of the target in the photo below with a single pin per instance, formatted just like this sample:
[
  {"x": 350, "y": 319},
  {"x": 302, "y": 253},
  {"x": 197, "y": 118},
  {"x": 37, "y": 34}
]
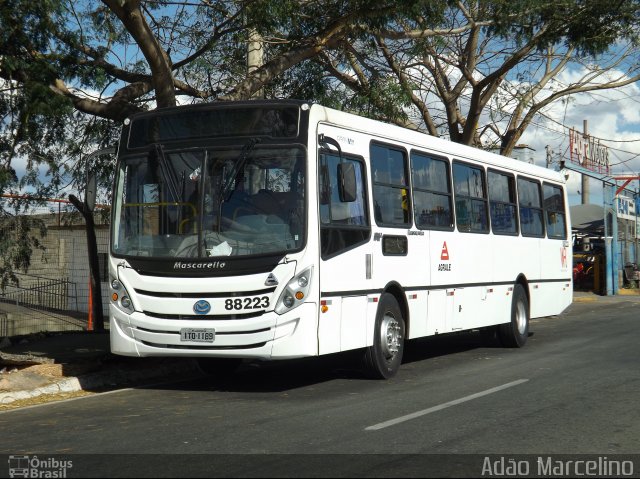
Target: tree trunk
[{"x": 94, "y": 264}]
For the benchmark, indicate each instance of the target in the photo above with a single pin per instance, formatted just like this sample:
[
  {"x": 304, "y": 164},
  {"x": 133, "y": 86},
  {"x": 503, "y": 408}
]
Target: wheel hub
[
  {"x": 391, "y": 336},
  {"x": 521, "y": 318}
]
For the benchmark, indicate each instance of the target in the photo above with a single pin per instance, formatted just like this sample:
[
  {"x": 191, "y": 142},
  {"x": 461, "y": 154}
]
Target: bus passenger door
[{"x": 345, "y": 254}]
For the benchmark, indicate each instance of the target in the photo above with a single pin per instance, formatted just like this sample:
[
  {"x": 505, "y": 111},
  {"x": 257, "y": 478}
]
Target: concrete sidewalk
[
  {"x": 82, "y": 361},
  {"x": 623, "y": 295},
  {"x": 78, "y": 361}
]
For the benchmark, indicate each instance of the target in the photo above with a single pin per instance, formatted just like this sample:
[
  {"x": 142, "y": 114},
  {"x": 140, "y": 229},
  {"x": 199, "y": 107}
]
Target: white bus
[{"x": 284, "y": 229}]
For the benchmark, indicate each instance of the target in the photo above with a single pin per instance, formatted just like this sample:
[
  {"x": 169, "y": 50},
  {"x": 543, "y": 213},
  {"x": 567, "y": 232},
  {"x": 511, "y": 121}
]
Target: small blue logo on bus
[{"x": 202, "y": 307}]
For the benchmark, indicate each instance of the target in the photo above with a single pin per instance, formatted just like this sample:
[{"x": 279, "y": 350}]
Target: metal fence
[
  {"x": 53, "y": 293},
  {"x": 44, "y": 293},
  {"x": 38, "y": 304}
]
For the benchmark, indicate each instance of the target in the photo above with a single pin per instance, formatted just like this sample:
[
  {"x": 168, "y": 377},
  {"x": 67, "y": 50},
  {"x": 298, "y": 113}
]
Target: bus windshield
[{"x": 203, "y": 203}]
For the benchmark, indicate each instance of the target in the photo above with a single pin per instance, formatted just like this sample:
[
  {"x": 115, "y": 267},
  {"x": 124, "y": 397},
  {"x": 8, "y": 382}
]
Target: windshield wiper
[
  {"x": 164, "y": 164},
  {"x": 226, "y": 190}
]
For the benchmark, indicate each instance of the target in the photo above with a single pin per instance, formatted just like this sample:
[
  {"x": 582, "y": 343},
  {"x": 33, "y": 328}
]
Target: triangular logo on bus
[{"x": 444, "y": 256}]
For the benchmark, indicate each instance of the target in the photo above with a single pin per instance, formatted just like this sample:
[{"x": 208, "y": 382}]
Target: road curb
[
  {"x": 62, "y": 386},
  {"x": 100, "y": 380},
  {"x": 623, "y": 295},
  {"x": 585, "y": 299}
]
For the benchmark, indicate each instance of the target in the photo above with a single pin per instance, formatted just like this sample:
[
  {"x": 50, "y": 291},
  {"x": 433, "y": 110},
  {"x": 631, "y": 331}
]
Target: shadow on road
[{"x": 279, "y": 376}]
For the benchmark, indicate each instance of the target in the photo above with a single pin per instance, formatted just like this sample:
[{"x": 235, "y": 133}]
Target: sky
[{"x": 613, "y": 116}]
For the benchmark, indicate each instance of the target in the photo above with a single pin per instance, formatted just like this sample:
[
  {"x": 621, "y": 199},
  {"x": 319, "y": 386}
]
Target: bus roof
[
  {"x": 391, "y": 133},
  {"x": 418, "y": 140}
]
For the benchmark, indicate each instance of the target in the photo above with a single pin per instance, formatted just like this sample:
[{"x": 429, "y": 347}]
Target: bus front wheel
[
  {"x": 382, "y": 359},
  {"x": 515, "y": 333}
]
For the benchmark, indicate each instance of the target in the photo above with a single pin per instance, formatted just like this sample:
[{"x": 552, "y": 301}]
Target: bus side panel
[
  {"x": 353, "y": 326},
  {"x": 440, "y": 310},
  {"x": 515, "y": 256},
  {"x": 547, "y": 299},
  {"x": 465, "y": 311},
  {"x": 418, "y": 309},
  {"x": 557, "y": 288},
  {"x": 343, "y": 286},
  {"x": 463, "y": 263},
  {"x": 479, "y": 306},
  {"x": 329, "y": 327},
  {"x": 501, "y": 299}
]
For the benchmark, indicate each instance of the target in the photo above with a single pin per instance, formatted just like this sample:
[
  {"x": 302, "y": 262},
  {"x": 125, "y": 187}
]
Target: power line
[{"x": 600, "y": 139}]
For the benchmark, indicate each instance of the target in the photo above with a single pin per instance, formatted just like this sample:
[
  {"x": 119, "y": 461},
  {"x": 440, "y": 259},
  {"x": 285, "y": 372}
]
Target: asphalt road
[{"x": 573, "y": 389}]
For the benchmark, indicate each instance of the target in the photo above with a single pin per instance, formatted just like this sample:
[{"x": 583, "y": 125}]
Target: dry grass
[{"x": 43, "y": 399}]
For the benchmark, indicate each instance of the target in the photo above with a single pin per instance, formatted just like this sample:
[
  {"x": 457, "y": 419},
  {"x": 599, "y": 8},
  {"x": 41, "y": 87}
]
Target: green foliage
[
  {"x": 40, "y": 131},
  {"x": 20, "y": 237},
  {"x": 70, "y": 71},
  {"x": 590, "y": 26}
]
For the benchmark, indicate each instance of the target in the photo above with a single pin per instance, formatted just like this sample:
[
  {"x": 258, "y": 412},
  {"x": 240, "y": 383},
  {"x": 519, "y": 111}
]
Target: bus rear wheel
[
  {"x": 515, "y": 333},
  {"x": 382, "y": 359}
]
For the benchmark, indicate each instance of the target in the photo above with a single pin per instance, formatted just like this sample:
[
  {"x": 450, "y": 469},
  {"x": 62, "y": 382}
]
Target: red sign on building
[{"x": 587, "y": 152}]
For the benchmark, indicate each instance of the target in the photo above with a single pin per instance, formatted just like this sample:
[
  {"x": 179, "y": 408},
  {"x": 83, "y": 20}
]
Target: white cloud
[{"x": 613, "y": 116}]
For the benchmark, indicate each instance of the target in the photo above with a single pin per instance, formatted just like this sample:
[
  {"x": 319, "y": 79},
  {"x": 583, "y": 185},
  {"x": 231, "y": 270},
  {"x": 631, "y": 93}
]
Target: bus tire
[
  {"x": 515, "y": 333},
  {"x": 218, "y": 367},
  {"x": 382, "y": 360}
]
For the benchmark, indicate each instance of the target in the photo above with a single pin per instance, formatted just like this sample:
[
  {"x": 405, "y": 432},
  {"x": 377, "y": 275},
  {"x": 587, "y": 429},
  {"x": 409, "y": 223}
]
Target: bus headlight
[
  {"x": 296, "y": 291},
  {"x": 120, "y": 297}
]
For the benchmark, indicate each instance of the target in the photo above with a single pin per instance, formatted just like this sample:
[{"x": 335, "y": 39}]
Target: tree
[
  {"x": 92, "y": 64},
  {"x": 488, "y": 68},
  {"x": 189, "y": 49},
  {"x": 71, "y": 72},
  {"x": 18, "y": 243},
  {"x": 433, "y": 65},
  {"x": 479, "y": 72}
]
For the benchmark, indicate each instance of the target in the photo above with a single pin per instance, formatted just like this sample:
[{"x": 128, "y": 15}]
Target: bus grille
[
  {"x": 208, "y": 347},
  {"x": 229, "y": 294},
  {"x": 202, "y": 317}
]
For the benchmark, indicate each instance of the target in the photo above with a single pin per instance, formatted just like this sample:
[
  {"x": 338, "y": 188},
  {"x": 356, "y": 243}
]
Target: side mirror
[
  {"x": 90, "y": 192},
  {"x": 347, "y": 185}
]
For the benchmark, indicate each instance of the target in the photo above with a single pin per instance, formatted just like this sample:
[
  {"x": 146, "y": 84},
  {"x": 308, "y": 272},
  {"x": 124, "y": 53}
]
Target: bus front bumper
[{"x": 271, "y": 336}]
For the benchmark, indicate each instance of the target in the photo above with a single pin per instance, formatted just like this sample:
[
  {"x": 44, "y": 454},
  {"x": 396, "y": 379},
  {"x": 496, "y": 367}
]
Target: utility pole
[
  {"x": 635, "y": 233},
  {"x": 255, "y": 56},
  {"x": 585, "y": 178}
]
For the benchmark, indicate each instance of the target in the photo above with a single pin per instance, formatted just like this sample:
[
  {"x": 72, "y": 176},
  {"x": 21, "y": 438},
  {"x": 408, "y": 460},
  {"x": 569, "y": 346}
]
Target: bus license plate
[{"x": 198, "y": 335}]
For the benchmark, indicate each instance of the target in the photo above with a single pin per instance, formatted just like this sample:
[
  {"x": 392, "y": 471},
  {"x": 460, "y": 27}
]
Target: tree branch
[{"x": 131, "y": 16}]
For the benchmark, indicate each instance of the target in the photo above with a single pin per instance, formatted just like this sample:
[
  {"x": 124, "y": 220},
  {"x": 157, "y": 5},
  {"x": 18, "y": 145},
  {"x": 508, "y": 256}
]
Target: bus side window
[
  {"x": 502, "y": 203},
  {"x": 530, "y": 203},
  {"x": 471, "y": 198},
  {"x": 554, "y": 211},
  {"x": 390, "y": 186},
  {"x": 432, "y": 200},
  {"x": 344, "y": 225}
]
